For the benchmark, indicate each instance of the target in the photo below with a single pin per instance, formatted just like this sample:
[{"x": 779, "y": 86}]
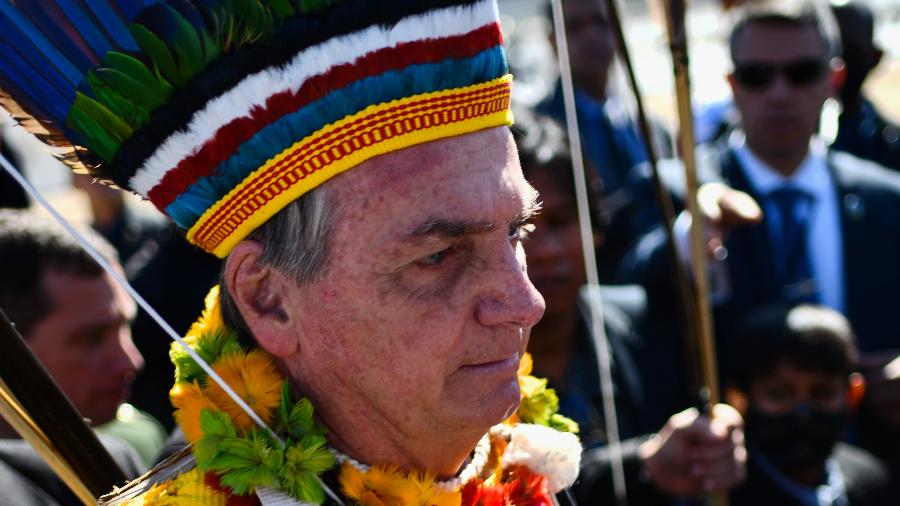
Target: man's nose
[
  {"x": 509, "y": 297},
  {"x": 125, "y": 355}
]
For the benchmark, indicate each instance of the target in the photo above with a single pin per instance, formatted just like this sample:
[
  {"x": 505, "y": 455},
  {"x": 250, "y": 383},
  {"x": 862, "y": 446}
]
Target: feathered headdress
[{"x": 221, "y": 112}]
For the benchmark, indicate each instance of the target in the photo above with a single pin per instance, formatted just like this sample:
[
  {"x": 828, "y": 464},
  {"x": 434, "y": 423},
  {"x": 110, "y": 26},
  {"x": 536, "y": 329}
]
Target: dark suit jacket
[
  {"x": 869, "y": 201},
  {"x": 866, "y": 479},
  {"x": 26, "y": 480}
]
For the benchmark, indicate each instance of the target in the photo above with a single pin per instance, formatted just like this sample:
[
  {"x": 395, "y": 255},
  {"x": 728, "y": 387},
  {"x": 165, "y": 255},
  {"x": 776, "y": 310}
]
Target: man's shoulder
[
  {"x": 854, "y": 173},
  {"x": 866, "y": 477}
]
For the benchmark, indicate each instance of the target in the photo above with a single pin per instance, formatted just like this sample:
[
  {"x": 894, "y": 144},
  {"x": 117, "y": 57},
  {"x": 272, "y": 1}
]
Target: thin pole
[
  {"x": 18, "y": 419},
  {"x": 598, "y": 328},
  {"x": 687, "y": 310},
  {"x": 35, "y": 392},
  {"x": 120, "y": 279},
  {"x": 675, "y": 25}
]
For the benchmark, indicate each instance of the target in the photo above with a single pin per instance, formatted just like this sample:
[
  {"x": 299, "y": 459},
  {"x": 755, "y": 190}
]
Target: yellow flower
[
  {"x": 187, "y": 489},
  {"x": 189, "y": 401},
  {"x": 255, "y": 378},
  {"x": 525, "y": 366},
  {"x": 388, "y": 486},
  {"x": 211, "y": 318}
]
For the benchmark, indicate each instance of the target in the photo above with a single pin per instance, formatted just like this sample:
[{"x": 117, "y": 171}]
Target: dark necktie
[{"x": 792, "y": 262}]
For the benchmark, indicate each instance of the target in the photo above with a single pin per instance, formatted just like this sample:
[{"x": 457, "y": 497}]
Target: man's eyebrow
[
  {"x": 454, "y": 229},
  {"x": 450, "y": 228}
]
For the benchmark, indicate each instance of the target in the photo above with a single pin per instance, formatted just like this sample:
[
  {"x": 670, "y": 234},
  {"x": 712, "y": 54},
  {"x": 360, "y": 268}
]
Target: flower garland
[{"x": 522, "y": 461}]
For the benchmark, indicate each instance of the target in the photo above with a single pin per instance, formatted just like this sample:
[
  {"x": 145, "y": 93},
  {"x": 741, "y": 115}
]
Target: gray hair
[
  {"x": 294, "y": 241},
  {"x": 813, "y": 13}
]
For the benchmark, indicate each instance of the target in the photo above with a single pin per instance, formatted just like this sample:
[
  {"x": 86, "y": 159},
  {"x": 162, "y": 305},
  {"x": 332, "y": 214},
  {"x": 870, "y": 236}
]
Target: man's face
[
  {"x": 589, "y": 39},
  {"x": 555, "y": 260},
  {"x": 779, "y": 116},
  {"x": 424, "y": 307},
  {"x": 788, "y": 387},
  {"x": 85, "y": 342},
  {"x": 795, "y": 416}
]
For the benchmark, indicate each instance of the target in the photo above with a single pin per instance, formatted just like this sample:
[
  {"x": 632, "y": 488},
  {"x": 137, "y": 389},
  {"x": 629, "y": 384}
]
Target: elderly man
[{"x": 355, "y": 171}]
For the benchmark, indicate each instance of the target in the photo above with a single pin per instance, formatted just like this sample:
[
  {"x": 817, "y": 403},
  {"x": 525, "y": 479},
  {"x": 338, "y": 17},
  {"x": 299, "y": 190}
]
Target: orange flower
[
  {"x": 388, "y": 486},
  {"x": 211, "y": 319},
  {"x": 189, "y": 401},
  {"x": 255, "y": 378}
]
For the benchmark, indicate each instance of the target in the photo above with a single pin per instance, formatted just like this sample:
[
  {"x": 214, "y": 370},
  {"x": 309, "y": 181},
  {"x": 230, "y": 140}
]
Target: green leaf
[
  {"x": 158, "y": 52},
  {"x": 217, "y": 428},
  {"x": 303, "y": 462},
  {"x": 210, "y": 346},
  {"x": 563, "y": 424},
  {"x": 246, "y": 463}
]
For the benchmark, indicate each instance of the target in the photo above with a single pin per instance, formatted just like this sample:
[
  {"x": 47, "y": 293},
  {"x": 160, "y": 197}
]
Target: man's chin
[{"x": 487, "y": 408}]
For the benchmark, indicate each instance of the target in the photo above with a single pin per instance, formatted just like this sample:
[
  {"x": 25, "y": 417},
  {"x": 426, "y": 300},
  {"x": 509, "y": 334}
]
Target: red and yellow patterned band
[{"x": 337, "y": 147}]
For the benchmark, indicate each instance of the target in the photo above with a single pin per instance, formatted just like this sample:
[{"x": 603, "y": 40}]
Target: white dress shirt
[{"x": 824, "y": 233}]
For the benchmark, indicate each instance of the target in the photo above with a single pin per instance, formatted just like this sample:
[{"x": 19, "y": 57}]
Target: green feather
[
  {"x": 93, "y": 138},
  {"x": 117, "y": 104},
  {"x": 315, "y": 5},
  {"x": 282, "y": 9},
  {"x": 136, "y": 69},
  {"x": 186, "y": 45},
  {"x": 142, "y": 94},
  {"x": 105, "y": 132},
  {"x": 157, "y": 51}
]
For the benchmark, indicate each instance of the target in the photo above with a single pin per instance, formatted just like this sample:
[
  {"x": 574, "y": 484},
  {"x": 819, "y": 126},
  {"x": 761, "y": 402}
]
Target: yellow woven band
[{"x": 340, "y": 146}]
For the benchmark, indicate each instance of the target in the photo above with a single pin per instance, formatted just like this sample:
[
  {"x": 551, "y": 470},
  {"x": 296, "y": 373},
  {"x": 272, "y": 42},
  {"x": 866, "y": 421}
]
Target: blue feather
[
  {"x": 20, "y": 33},
  {"x": 278, "y": 136},
  {"x": 86, "y": 27},
  {"x": 40, "y": 92},
  {"x": 131, "y": 8},
  {"x": 58, "y": 29},
  {"x": 113, "y": 24}
]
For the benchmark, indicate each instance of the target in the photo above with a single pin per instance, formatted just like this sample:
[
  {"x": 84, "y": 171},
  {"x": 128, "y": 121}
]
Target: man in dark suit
[{"x": 788, "y": 219}]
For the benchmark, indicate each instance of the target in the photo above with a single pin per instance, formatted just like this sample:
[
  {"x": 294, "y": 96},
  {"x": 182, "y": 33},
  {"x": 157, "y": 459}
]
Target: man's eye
[
  {"x": 520, "y": 231},
  {"x": 436, "y": 259}
]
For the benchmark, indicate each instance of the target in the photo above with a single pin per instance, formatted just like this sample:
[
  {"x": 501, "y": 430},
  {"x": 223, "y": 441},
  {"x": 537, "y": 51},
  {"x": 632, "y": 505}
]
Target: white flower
[{"x": 548, "y": 452}]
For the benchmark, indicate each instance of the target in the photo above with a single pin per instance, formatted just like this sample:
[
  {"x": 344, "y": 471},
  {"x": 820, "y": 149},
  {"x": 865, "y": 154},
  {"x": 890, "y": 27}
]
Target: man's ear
[
  {"x": 856, "y": 390},
  {"x": 838, "y": 75},
  {"x": 736, "y": 399},
  {"x": 258, "y": 292}
]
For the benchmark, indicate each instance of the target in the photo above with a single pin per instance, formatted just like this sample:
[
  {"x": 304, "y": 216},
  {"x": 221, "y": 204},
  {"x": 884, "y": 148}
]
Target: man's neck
[
  {"x": 812, "y": 477},
  {"x": 594, "y": 88},
  {"x": 373, "y": 437},
  {"x": 785, "y": 163}
]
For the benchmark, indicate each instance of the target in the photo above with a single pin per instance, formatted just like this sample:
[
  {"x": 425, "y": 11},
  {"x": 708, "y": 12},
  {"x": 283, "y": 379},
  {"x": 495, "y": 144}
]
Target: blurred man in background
[
  {"x": 75, "y": 319},
  {"x": 862, "y": 131},
  {"x": 792, "y": 378}
]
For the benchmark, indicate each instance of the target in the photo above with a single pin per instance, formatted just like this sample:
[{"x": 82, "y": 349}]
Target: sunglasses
[{"x": 760, "y": 76}]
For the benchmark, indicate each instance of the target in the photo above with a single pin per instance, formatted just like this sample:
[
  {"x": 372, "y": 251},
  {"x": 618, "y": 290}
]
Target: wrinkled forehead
[{"x": 469, "y": 177}]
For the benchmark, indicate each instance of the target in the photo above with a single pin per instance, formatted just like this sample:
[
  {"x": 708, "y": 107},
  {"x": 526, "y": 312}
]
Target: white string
[
  {"x": 598, "y": 327},
  {"x": 118, "y": 278}
]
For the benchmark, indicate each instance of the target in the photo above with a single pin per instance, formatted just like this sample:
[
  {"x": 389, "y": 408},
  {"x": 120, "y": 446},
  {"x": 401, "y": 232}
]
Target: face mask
[{"x": 798, "y": 440}]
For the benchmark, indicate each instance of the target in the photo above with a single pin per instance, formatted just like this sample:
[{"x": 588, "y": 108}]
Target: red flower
[{"x": 518, "y": 486}]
